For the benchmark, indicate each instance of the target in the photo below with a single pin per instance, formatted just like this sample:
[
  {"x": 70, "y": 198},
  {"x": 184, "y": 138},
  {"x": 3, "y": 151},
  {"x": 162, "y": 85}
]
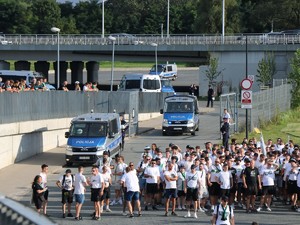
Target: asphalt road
[{"x": 15, "y": 181}]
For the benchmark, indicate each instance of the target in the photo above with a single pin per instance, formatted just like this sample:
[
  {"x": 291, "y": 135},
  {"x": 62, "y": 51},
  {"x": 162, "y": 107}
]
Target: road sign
[
  {"x": 246, "y": 84},
  {"x": 251, "y": 77},
  {"x": 246, "y": 99}
]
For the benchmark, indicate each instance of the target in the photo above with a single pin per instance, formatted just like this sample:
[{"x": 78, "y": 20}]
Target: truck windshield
[
  {"x": 179, "y": 107},
  {"x": 88, "y": 129},
  {"x": 160, "y": 68},
  {"x": 151, "y": 84}
]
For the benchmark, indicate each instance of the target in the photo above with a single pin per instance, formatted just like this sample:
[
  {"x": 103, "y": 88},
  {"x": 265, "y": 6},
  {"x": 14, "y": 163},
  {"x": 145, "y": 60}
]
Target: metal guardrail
[
  {"x": 14, "y": 213},
  {"x": 91, "y": 39}
]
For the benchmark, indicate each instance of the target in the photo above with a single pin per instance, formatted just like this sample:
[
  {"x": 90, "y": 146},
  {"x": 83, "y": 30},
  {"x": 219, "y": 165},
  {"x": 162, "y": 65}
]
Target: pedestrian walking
[
  {"x": 79, "y": 191},
  {"x": 38, "y": 192},
  {"x": 44, "y": 184}
]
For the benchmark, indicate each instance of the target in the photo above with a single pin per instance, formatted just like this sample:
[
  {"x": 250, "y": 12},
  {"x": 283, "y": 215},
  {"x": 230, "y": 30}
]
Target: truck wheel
[
  {"x": 193, "y": 133},
  {"x": 164, "y": 133}
]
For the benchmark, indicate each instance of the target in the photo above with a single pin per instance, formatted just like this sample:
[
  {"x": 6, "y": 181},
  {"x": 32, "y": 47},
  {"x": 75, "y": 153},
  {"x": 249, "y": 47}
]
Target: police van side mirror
[
  {"x": 161, "y": 111},
  {"x": 111, "y": 135},
  {"x": 67, "y": 134}
]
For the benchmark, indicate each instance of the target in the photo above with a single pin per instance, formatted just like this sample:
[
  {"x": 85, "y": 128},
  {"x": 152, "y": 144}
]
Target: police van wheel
[
  {"x": 164, "y": 133},
  {"x": 197, "y": 129},
  {"x": 193, "y": 133}
]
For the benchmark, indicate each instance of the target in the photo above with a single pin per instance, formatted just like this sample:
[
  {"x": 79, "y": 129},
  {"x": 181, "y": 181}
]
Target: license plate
[
  {"x": 84, "y": 157},
  {"x": 177, "y": 128}
]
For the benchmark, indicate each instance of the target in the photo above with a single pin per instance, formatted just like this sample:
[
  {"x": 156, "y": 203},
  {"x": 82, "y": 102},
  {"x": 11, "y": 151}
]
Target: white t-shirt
[
  {"x": 214, "y": 171},
  {"x": 170, "y": 184},
  {"x": 154, "y": 172},
  {"x": 68, "y": 183},
  {"x": 268, "y": 176},
  {"x": 180, "y": 180},
  {"x": 96, "y": 181},
  {"x": 44, "y": 179},
  {"x": 120, "y": 168},
  {"x": 192, "y": 179},
  {"x": 226, "y": 216},
  {"x": 142, "y": 165},
  {"x": 106, "y": 178},
  {"x": 225, "y": 177},
  {"x": 131, "y": 181},
  {"x": 202, "y": 177},
  {"x": 287, "y": 167},
  {"x": 78, "y": 183}
]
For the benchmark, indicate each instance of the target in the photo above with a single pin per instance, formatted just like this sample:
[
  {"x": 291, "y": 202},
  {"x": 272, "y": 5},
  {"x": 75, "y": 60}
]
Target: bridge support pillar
[
  {"x": 22, "y": 65},
  {"x": 77, "y": 71},
  {"x": 92, "y": 68},
  {"x": 42, "y": 67},
  {"x": 4, "y": 65},
  {"x": 63, "y": 66}
]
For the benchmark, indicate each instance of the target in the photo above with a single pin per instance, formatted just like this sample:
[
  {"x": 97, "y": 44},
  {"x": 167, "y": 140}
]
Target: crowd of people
[
  {"x": 41, "y": 84},
  {"x": 212, "y": 179}
]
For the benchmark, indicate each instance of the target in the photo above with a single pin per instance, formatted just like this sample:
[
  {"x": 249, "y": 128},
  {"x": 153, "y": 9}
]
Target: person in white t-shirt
[
  {"x": 106, "y": 191},
  {"x": 79, "y": 189},
  {"x": 131, "y": 181},
  {"x": 268, "y": 188},
  {"x": 180, "y": 188},
  {"x": 192, "y": 182},
  {"x": 203, "y": 190},
  {"x": 171, "y": 189},
  {"x": 152, "y": 176},
  {"x": 225, "y": 180},
  {"x": 97, "y": 186},
  {"x": 66, "y": 184},
  {"x": 119, "y": 171},
  {"x": 223, "y": 213},
  {"x": 44, "y": 174}
]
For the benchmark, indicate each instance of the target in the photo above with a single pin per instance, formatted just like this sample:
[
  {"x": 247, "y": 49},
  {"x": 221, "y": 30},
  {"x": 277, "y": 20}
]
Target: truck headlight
[
  {"x": 69, "y": 148},
  {"x": 165, "y": 121}
]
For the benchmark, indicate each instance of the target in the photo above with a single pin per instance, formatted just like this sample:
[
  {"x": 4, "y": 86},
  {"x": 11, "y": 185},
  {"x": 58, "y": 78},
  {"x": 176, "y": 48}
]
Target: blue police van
[
  {"x": 90, "y": 135},
  {"x": 180, "y": 114}
]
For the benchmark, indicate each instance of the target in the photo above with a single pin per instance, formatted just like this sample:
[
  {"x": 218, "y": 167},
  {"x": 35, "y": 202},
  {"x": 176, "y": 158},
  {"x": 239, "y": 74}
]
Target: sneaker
[
  {"x": 298, "y": 210},
  {"x": 201, "y": 209},
  {"x": 124, "y": 213},
  {"x": 183, "y": 207},
  {"x": 131, "y": 216},
  {"x": 187, "y": 215},
  {"x": 195, "y": 215},
  {"x": 268, "y": 208},
  {"x": 64, "y": 215},
  {"x": 98, "y": 218},
  {"x": 113, "y": 202},
  {"x": 166, "y": 214},
  {"x": 108, "y": 210},
  {"x": 139, "y": 214},
  {"x": 204, "y": 209},
  {"x": 240, "y": 205},
  {"x": 120, "y": 202},
  {"x": 174, "y": 214},
  {"x": 243, "y": 206},
  {"x": 179, "y": 207},
  {"x": 258, "y": 209}
]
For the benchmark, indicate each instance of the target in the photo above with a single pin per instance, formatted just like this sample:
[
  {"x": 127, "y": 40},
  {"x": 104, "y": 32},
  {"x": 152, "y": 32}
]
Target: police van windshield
[
  {"x": 133, "y": 84},
  {"x": 151, "y": 84},
  {"x": 88, "y": 129},
  {"x": 160, "y": 68},
  {"x": 179, "y": 107}
]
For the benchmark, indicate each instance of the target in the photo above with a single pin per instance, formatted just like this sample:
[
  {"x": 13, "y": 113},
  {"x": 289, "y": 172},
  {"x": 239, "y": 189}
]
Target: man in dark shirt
[
  {"x": 225, "y": 132},
  {"x": 251, "y": 180},
  {"x": 210, "y": 94}
]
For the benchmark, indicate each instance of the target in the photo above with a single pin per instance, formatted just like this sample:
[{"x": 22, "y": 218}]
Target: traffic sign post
[{"x": 246, "y": 99}]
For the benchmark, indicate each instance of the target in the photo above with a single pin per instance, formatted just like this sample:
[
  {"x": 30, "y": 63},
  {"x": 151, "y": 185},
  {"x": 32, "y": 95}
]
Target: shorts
[
  {"x": 240, "y": 188},
  {"x": 79, "y": 198},
  {"x": 268, "y": 190},
  {"x": 151, "y": 188},
  {"x": 95, "y": 194},
  {"x": 181, "y": 193},
  {"x": 46, "y": 194},
  {"x": 66, "y": 196},
  {"x": 142, "y": 183},
  {"x": 214, "y": 189},
  {"x": 132, "y": 195},
  {"x": 171, "y": 193},
  {"x": 118, "y": 185},
  {"x": 292, "y": 187},
  {"x": 191, "y": 194},
  {"x": 106, "y": 194},
  {"x": 203, "y": 193},
  {"x": 225, "y": 192},
  {"x": 251, "y": 190}
]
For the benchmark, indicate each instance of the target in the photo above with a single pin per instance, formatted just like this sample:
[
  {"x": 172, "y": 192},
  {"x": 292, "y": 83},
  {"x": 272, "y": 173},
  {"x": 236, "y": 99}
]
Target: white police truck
[
  {"x": 180, "y": 114},
  {"x": 90, "y": 135}
]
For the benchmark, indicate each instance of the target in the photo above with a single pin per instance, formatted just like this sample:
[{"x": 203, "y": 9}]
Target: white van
[
  {"x": 90, "y": 135},
  {"x": 167, "y": 71},
  {"x": 26, "y": 75},
  {"x": 140, "y": 82}
]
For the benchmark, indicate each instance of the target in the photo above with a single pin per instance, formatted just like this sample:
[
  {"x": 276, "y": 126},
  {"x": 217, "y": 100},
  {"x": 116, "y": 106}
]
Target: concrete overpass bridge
[{"x": 77, "y": 49}]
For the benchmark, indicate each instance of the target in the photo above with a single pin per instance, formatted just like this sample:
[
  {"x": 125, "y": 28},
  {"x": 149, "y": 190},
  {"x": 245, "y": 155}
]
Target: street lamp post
[
  {"x": 113, "y": 39},
  {"x": 155, "y": 45},
  {"x": 223, "y": 21},
  {"x": 103, "y": 17},
  {"x": 57, "y": 30},
  {"x": 168, "y": 20}
]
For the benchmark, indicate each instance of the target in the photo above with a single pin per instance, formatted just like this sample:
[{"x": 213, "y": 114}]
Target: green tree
[
  {"x": 266, "y": 70},
  {"x": 212, "y": 73},
  {"x": 294, "y": 77}
]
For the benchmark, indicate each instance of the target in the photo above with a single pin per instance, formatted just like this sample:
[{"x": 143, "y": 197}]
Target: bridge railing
[{"x": 205, "y": 39}]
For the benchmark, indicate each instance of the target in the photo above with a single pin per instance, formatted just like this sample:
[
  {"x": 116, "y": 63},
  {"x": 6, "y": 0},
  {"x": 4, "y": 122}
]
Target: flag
[{"x": 262, "y": 144}]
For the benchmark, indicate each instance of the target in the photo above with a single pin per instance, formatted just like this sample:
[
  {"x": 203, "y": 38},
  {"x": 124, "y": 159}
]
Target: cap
[
  {"x": 77, "y": 82},
  {"x": 293, "y": 160},
  {"x": 171, "y": 144},
  {"x": 188, "y": 146},
  {"x": 181, "y": 166},
  {"x": 68, "y": 171},
  {"x": 246, "y": 160},
  {"x": 224, "y": 198},
  {"x": 147, "y": 148},
  {"x": 193, "y": 166}
]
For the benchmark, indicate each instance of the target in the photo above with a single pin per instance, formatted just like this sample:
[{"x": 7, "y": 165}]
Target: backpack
[
  {"x": 218, "y": 212},
  {"x": 64, "y": 178}
]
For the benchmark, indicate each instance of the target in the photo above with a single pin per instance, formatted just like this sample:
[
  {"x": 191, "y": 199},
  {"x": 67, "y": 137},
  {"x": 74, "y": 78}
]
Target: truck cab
[
  {"x": 90, "y": 135},
  {"x": 180, "y": 115}
]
